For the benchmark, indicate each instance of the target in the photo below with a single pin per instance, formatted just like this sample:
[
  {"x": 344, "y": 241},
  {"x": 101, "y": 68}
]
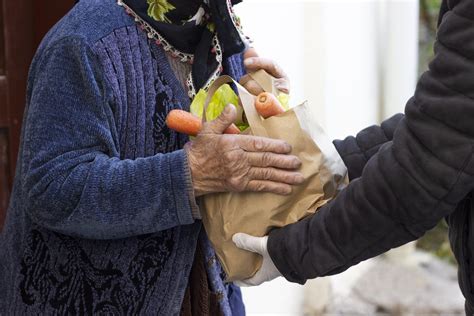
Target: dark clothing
[
  {"x": 199, "y": 298},
  {"x": 403, "y": 188},
  {"x": 357, "y": 151},
  {"x": 206, "y": 29}
]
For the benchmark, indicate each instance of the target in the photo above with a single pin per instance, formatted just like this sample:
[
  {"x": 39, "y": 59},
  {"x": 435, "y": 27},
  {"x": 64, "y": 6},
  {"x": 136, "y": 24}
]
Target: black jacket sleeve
[
  {"x": 356, "y": 151},
  {"x": 410, "y": 183}
]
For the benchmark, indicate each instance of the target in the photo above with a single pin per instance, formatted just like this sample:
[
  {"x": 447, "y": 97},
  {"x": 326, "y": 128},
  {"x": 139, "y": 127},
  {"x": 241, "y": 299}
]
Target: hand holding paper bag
[
  {"x": 256, "y": 214},
  {"x": 258, "y": 245},
  {"x": 254, "y": 63},
  {"x": 238, "y": 163}
]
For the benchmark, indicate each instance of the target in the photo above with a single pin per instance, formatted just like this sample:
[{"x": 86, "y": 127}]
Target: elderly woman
[{"x": 103, "y": 217}]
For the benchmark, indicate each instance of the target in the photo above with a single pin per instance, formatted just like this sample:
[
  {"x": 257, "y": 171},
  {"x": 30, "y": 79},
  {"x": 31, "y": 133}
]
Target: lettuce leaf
[
  {"x": 223, "y": 96},
  {"x": 284, "y": 100}
]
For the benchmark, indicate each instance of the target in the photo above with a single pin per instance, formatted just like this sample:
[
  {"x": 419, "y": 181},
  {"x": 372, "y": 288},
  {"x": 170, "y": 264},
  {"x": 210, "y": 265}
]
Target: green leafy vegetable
[
  {"x": 284, "y": 100},
  {"x": 223, "y": 96}
]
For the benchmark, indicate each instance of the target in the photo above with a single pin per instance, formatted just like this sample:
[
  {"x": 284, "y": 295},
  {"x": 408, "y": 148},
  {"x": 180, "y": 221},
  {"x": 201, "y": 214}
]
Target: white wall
[
  {"x": 398, "y": 46},
  {"x": 350, "y": 67},
  {"x": 354, "y": 60},
  {"x": 277, "y": 28}
]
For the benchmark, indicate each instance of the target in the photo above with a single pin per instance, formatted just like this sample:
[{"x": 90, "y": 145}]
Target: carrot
[
  {"x": 184, "y": 122},
  {"x": 189, "y": 124},
  {"x": 267, "y": 105}
]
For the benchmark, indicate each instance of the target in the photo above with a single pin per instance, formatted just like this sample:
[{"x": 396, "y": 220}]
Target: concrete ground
[{"x": 413, "y": 283}]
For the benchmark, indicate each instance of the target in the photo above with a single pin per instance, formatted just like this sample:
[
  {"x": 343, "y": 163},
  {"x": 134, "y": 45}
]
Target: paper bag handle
[
  {"x": 265, "y": 81},
  {"x": 247, "y": 100}
]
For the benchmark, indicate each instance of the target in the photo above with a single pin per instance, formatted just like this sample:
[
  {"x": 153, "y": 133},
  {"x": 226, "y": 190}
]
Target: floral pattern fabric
[{"x": 207, "y": 29}]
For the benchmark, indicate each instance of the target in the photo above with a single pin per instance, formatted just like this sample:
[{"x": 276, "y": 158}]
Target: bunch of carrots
[{"x": 266, "y": 104}]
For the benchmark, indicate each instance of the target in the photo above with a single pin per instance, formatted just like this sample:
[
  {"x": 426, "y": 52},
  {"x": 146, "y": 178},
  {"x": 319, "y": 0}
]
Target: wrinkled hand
[
  {"x": 268, "y": 271},
  {"x": 238, "y": 163},
  {"x": 254, "y": 63}
]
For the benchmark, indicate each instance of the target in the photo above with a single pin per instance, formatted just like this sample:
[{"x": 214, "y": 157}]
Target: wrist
[
  {"x": 201, "y": 182},
  {"x": 209, "y": 187}
]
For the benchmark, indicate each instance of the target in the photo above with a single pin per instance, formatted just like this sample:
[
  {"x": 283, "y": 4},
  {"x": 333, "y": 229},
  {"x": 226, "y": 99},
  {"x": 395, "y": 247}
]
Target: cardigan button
[
  {"x": 220, "y": 296},
  {"x": 211, "y": 261}
]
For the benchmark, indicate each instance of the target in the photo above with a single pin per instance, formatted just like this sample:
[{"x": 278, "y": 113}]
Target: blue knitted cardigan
[{"x": 100, "y": 219}]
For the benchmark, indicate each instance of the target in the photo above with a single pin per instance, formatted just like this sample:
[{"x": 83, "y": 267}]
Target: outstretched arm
[{"x": 411, "y": 183}]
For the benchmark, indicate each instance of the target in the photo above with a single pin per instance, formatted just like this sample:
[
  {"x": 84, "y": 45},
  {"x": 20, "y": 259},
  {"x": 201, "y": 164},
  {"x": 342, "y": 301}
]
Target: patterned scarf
[{"x": 206, "y": 29}]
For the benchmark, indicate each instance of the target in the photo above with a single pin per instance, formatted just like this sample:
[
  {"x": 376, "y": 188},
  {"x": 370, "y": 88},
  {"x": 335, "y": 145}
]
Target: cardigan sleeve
[{"x": 74, "y": 180}]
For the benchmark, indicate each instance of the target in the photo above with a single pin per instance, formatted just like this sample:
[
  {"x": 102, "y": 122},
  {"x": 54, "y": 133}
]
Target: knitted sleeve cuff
[{"x": 195, "y": 211}]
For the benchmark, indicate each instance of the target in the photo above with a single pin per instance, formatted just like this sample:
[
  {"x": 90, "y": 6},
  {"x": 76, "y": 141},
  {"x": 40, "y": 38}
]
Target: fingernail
[
  {"x": 228, "y": 109},
  {"x": 299, "y": 179},
  {"x": 249, "y": 62},
  {"x": 280, "y": 86},
  {"x": 298, "y": 162}
]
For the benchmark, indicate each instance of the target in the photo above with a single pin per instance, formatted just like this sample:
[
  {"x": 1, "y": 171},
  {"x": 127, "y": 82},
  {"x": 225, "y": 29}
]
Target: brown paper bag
[{"x": 225, "y": 214}]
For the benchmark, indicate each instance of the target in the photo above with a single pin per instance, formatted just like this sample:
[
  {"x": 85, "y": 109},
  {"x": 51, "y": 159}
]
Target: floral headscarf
[
  {"x": 201, "y": 31},
  {"x": 170, "y": 11}
]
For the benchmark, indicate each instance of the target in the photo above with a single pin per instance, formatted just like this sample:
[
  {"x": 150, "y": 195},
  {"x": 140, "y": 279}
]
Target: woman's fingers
[
  {"x": 263, "y": 144},
  {"x": 240, "y": 163},
  {"x": 268, "y": 159},
  {"x": 283, "y": 85},
  {"x": 258, "y": 63},
  {"x": 251, "y": 85},
  {"x": 269, "y": 186},
  {"x": 276, "y": 175}
]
